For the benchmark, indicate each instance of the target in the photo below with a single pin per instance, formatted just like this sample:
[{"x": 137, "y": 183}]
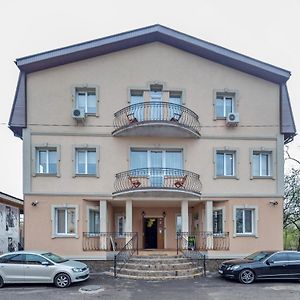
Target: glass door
[{"x": 175, "y": 111}]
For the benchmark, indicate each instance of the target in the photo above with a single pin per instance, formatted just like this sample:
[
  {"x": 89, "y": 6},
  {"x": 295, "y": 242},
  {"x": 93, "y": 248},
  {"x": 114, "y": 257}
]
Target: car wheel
[
  {"x": 246, "y": 276},
  {"x": 62, "y": 280},
  {"x": 1, "y": 282}
]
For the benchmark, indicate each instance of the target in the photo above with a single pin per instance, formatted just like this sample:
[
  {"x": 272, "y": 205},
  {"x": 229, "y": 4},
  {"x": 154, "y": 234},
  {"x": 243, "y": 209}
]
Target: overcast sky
[{"x": 268, "y": 30}]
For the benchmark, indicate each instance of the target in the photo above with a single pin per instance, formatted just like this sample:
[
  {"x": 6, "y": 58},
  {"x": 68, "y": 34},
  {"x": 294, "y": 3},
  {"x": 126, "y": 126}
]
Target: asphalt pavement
[{"x": 101, "y": 286}]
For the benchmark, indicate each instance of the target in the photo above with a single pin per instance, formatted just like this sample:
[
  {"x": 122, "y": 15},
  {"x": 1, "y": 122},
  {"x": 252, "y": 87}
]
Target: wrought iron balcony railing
[
  {"x": 202, "y": 241},
  {"x": 157, "y": 113},
  {"x": 106, "y": 241},
  {"x": 158, "y": 179}
]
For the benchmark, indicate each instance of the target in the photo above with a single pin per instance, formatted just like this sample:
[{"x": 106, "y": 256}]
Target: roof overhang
[{"x": 154, "y": 33}]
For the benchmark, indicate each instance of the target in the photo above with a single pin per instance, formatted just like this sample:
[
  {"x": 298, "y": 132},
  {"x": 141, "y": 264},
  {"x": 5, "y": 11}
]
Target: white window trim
[
  {"x": 236, "y": 162},
  {"x": 255, "y": 220},
  {"x": 225, "y": 92},
  {"x": 85, "y": 147},
  {"x": 46, "y": 146},
  {"x": 117, "y": 217},
  {"x": 222, "y": 208},
  {"x": 272, "y": 163},
  {"x": 54, "y": 221},
  {"x": 94, "y": 208},
  {"x": 86, "y": 87}
]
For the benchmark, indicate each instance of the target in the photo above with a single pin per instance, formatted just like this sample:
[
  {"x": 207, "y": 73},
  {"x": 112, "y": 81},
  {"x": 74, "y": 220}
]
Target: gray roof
[
  {"x": 11, "y": 199},
  {"x": 154, "y": 33}
]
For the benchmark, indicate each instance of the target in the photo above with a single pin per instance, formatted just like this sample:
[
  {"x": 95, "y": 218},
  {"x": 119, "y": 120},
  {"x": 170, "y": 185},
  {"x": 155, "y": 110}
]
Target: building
[
  {"x": 155, "y": 132},
  {"x": 11, "y": 229}
]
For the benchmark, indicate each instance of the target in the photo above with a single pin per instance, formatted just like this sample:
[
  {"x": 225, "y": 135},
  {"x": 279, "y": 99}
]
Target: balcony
[
  {"x": 163, "y": 182},
  {"x": 156, "y": 119}
]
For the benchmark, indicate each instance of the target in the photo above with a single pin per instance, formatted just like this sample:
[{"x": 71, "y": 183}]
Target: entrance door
[
  {"x": 150, "y": 233},
  {"x": 156, "y": 106}
]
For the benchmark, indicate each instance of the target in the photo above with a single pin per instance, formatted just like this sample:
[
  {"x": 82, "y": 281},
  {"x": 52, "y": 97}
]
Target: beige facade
[{"x": 240, "y": 207}]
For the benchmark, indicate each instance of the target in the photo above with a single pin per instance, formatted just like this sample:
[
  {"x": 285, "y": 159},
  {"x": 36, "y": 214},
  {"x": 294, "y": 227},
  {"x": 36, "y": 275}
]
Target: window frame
[
  {"x": 95, "y": 209},
  {"x": 54, "y": 220},
  {"x": 254, "y": 220},
  {"x": 225, "y": 150},
  {"x": 74, "y": 159},
  {"x": 117, "y": 218},
  {"x": 271, "y": 161},
  {"x": 45, "y": 147},
  {"x": 222, "y": 209},
  {"x": 86, "y": 88},
  {"x": 225, "y": 93}
]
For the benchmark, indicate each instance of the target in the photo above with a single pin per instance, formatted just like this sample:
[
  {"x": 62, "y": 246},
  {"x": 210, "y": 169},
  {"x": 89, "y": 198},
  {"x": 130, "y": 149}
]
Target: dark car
[{"x": 263, "y": 265}]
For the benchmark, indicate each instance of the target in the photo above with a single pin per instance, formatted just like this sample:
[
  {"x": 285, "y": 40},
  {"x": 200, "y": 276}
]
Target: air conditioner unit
[
  {"x": 232, "y": 119},
  {"x": 78, "y": 114}
]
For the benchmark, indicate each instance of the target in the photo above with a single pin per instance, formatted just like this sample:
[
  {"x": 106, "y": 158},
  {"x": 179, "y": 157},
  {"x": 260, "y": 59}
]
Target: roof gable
[{"x": 154, "y": 33}]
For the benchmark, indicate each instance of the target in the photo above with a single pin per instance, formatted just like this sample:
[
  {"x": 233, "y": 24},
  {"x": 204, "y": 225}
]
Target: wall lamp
[
  {"x": 164, "y": 214},
  {"x": 273, "y": 202},
  {"x": 35, "y": 203},
  {"x": 143, "y": 214}
]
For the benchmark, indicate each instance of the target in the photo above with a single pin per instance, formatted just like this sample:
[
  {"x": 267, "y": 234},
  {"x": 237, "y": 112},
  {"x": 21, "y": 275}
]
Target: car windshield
[
  {"x": 54, "y": 257},
  {"x": 258, "y": 256}
]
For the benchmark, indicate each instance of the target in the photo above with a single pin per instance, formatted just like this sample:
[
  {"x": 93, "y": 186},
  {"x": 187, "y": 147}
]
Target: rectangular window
[
  {"x": 261, "y": 162},
  {"x": 244, "y": 221},
  {"x": 224, "y": 105},
  {"x": 86, "y": 100},
  {"x": 86, "y": 161},
  {"x": 121, "y": 224},
  {"x": 94, "y": 221},
  {"x": 46, "y": 161},
  {"x": 178, "y": 224},
  {"x": 225, "y": 163},
  {"x": 65, "y": 220},
  {"x": 218, "y": 221}
]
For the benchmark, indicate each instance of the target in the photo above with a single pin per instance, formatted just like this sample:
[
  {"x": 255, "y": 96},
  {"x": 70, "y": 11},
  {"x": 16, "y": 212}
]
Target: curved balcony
[
  {"x": 163, "y": 182},
  {"x": 156, "y": 119}
]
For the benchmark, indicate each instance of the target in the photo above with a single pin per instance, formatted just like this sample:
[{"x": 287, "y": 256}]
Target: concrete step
[
  {"x": 156, "y": 278},
  {"x": 160, "y": 266},
  {"x": 159, "y": 273},
  {"x": 158, "y": 260}
]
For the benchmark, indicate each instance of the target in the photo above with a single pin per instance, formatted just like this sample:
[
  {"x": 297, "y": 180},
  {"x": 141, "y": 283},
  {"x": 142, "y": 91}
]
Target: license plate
[{"x": 220, "y": 272}]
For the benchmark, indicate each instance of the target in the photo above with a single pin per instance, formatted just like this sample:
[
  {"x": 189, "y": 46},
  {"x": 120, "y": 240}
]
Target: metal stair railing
[
  {"x": 121, "y": 258},
  {"x": 188, "y": 251}
]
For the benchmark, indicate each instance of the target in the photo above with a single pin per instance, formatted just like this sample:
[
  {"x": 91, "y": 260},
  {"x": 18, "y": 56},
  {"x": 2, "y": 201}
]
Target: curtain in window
[
  {"x": 80, "y": 101},
  {"x": 91, "y": 162},
  {"x": 137, "y": 110},
  {"x": 256, "y": 164},
  {"x": 91, "y": 102},
  {"x": 52, "y": 161},
  {"x": 156, "y": 106},
  {"x": 42, "y": 159},
  {"x": 61, "y": 222},
  {"x": 239, "y": 221},
  {"x": 80, "y": 158},
  {"x": 248, "y": 221},
  {"x": 174, "y": 110},
  {"x": 94, "y": 221},
  {"x": 71, "y": 220}
]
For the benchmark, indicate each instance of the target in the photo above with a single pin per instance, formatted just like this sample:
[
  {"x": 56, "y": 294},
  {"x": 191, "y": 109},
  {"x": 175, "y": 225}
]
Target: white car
[{"x": 40, "y": 267}]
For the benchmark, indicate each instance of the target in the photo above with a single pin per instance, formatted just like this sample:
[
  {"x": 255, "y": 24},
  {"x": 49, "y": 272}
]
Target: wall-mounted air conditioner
[
  {"x": 232, "y": 119},
  {"x": 78, "y": 114}
]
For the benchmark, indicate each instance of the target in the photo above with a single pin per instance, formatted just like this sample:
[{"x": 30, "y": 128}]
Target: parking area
[{"x": 208, "y": 288}]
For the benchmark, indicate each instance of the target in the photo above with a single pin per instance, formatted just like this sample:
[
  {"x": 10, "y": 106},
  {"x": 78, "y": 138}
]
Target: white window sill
[
  {"x": 46, "y": 175},
  {"x": 226, "y": 177},
  {"x": 263, "y": 177},
  {"x": 70, "y": 235},
  {"x": 245, "y": 235},
  {"x": 86, "y": 175}
]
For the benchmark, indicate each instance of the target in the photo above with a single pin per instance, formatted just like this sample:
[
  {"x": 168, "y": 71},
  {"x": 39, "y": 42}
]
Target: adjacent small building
[
  {"x": 11, "y": 229},
  {"x": 152, "y": 132}
]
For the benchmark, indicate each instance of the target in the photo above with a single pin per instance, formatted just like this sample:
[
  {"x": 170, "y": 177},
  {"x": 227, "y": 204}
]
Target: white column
[
  {"x": 184, "y": 216},
  {"x": 103, "y": 224},
  {"x": 184, "y": 223},
  {"x": 209, "y": 224},
  {"x": 128, "y": 227}
]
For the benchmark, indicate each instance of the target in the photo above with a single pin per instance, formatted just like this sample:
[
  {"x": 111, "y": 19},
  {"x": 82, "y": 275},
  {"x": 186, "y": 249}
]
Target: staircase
[{"x": 159, "y": 267}]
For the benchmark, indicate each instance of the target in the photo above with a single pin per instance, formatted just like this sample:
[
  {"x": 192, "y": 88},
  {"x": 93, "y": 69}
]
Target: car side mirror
[
  {"x": 45, "y": 263},
  {"x": 269, "y": 261}
]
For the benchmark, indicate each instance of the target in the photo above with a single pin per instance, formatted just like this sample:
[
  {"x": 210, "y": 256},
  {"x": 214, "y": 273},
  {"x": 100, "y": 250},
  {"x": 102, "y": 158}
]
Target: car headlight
[
  {"x": 235, "y": 267},
  {"x": 76, "y": 270}
]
